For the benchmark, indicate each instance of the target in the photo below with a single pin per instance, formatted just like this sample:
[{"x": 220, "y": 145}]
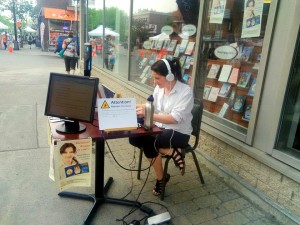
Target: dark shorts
[
  {"x": 70, "y": 63},
  {"x": 151, "y": 144}
]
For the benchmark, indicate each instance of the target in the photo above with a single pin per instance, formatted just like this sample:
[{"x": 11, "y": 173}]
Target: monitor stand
[{"x": 71, "y": 127}]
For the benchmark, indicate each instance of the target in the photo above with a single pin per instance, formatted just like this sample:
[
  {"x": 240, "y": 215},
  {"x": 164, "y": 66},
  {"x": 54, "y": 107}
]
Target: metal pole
[{"x": 16, "y": 44}]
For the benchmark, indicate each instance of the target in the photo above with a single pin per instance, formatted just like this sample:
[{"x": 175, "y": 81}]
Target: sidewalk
[{"x": 28, "y": 196}]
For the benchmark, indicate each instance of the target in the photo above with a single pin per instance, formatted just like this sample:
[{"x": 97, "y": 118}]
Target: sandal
[
  {"x": 178, "y": 158},
  {"x": 159, "y": 185}
]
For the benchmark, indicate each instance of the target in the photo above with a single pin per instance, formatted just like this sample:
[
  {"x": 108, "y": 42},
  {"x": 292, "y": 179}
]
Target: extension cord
[{"x": 160, "y": 218}]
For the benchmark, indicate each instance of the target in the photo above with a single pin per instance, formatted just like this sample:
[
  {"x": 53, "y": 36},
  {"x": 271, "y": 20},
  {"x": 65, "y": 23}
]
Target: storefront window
[
  {"x": 109, "y": 37},
  {"x": 116, "y": 36},
  {"x": 95, "y": 20},
  {"x": 289, "y": 133},
  {"x": 162, "y": 29},
  {"x": 231, "y": 46}
]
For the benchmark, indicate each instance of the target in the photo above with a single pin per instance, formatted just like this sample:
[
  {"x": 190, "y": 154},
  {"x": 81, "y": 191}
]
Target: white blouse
[{"x": 178, "y": 103}]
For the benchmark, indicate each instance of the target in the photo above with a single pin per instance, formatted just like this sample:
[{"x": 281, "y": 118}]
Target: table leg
[{"x": 99, "y": 197}]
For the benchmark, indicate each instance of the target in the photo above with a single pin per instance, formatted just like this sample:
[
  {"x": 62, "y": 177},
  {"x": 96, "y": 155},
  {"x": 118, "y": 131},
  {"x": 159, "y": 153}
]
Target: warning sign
[
  {"x": 117, "y": 113},
  {"x": 105, "y": 105}
]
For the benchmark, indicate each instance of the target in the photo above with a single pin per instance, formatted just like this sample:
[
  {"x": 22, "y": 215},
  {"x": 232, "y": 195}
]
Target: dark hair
[
  {"x": 70, "y": 34},
  {"x": 161, "y": 68},
  {"x": 67, "y": 145},
  {"x": 248, "y": 2}
]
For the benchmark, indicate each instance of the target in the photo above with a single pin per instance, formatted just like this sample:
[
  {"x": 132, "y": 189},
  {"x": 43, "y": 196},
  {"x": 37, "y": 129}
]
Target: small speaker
[{"x": 170, "y": 76}]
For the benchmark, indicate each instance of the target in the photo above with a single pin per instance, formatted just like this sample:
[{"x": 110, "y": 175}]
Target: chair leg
[
  {"x": 198, "y": 167},
  {"x": 162, "y": 195},
  {"x": 140, "y": 164}
]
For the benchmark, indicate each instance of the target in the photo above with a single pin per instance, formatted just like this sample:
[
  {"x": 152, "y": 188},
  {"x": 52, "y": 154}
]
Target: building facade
[{"x": 242, "y": 59}]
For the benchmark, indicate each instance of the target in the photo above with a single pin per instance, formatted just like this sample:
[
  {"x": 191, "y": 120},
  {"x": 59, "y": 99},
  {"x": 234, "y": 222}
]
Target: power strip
[{"x": 160, "y": 218}]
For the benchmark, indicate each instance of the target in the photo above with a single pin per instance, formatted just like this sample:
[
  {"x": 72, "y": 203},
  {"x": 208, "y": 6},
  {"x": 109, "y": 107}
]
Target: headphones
[{"x": 170, "y": 76}]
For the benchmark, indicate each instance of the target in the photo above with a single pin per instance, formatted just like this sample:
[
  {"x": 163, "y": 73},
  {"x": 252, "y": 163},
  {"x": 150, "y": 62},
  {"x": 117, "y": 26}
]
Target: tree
[
  {"x": 139, "y": 31},
  {"x": 24, "y": 10}
]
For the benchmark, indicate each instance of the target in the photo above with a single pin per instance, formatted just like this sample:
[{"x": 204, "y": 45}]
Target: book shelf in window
[
  {"x": 161, "y": 49},
  {"x": 237, "y": 108}
]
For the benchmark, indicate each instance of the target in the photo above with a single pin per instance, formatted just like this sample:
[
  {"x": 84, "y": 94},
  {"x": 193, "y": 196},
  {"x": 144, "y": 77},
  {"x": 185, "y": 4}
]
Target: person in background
[
  {"x": 70, "y": 54},
  {"x": 173, "y": 103},
  {"x": 4, "y": 40},
  {"x": 30, "y": 40},
  {"x": 108, "y": 51}
]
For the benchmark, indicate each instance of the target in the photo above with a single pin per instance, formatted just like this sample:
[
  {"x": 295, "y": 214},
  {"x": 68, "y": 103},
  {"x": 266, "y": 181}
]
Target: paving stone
[
  {"x": 180, "y": 220},
  {"x": 207, "y": 201},
  {"x": 211, "y": 222},
  {"x": 227, "y": 195},
  {"x": 235, "y": 218},
  {"x": 219, "y": 209},
  {"x": 253, "y": 213},
  {"x": 202, "y": 215},
  {"x": 236, "y": 204},
  {"x": 183, "y": 208}
]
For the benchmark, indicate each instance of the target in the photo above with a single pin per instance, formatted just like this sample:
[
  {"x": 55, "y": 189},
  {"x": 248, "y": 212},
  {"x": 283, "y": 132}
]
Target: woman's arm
[
  {"x": 164, "y": 118},
  {"x": 64, "y": 45},
  {"x": 161, "y": 118}
]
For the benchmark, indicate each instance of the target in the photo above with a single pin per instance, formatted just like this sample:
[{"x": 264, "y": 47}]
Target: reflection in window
[
  {"x": 162, "y": 29},
  {"x": 232, "y": 41},
  {"x": 109, "y": 39}
]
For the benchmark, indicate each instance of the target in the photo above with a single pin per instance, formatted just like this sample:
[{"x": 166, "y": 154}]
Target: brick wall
[{"x": 276, "y": 186}]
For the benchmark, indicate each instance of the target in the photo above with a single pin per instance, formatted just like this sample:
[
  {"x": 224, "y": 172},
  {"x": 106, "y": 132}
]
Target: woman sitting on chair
[{"x": 173, "y": 103}]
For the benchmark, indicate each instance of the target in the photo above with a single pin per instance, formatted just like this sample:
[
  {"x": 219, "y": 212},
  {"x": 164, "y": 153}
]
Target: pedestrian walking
[
  {"x": 70, "y": 54},
  {"x": 4, "y": 40},
  {"x": 30, "y": 40}
]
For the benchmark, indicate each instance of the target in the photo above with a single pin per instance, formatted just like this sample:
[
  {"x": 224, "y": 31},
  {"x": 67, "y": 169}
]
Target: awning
[
  {"x": 99, "y": 32},
  {"x": 30, "y": 30},
  {"x": 59, "y": 14}
]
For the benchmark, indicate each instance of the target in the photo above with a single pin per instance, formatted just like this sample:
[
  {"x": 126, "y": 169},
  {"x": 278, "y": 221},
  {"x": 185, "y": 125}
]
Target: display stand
[{"x": 101, "y": 188}]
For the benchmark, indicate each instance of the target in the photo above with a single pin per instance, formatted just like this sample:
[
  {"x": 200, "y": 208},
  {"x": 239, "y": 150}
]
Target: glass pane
[
  {"x": 162, "y": 29},
  {"x": 115, "y": 51},
  {"x": 95, "y": 19},
  {"x": 232, "y": 41},
  {"x": 289, "y": 132}
]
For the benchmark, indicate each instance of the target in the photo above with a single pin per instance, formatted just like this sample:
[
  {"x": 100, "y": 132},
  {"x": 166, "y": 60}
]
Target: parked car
[{"x": 59, "y": 42}]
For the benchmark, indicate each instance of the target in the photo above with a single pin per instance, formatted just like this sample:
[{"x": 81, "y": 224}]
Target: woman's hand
[{"x": 140, "y": 110}]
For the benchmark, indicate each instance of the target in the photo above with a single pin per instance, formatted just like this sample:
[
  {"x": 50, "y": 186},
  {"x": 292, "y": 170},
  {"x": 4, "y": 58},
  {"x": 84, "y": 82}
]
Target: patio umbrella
[
  {"x": 3, "y": 26},
  {"x": 99, "y": 32},
  {"x": 29, "y": 30}
]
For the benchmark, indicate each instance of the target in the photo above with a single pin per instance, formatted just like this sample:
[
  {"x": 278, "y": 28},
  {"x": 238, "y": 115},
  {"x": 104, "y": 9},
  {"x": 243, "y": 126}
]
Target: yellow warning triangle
[{"x": 105, "y": 105}]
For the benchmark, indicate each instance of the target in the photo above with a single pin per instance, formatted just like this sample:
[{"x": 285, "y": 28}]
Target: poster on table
[
  {"x": 252, "y": 18},
  {"x": 217, "y": 11},
  {"x": 72, "y": 163}
]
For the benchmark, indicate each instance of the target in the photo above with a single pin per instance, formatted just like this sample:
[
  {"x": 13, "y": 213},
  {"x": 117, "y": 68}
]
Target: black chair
[{"x": 196, "y": 124}]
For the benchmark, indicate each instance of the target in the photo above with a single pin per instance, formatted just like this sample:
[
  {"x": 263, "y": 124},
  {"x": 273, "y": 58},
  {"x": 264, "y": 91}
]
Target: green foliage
[
  {"x": 23, "y": 9},
  {"x": 139, "y": 30},
  {"x": 94, "y": 18},
  {"x": 115, "y": 19}
]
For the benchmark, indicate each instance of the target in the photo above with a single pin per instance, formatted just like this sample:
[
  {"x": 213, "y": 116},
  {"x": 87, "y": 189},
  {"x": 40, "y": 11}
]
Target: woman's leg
[
  {"x": 177, "y": 141},
  {"x": 157, "y": 166}
]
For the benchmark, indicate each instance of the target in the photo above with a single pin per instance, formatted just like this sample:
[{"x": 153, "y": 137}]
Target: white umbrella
[
  {"x": 161, "y": 36},
  {"x": 3, "y": 26},
  {"x": 30, "y": 30},
  {"x": 99, "y": 32}
]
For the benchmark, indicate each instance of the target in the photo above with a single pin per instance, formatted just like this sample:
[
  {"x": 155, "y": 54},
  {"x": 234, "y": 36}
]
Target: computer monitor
[{"x": 72, "y": 98}]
